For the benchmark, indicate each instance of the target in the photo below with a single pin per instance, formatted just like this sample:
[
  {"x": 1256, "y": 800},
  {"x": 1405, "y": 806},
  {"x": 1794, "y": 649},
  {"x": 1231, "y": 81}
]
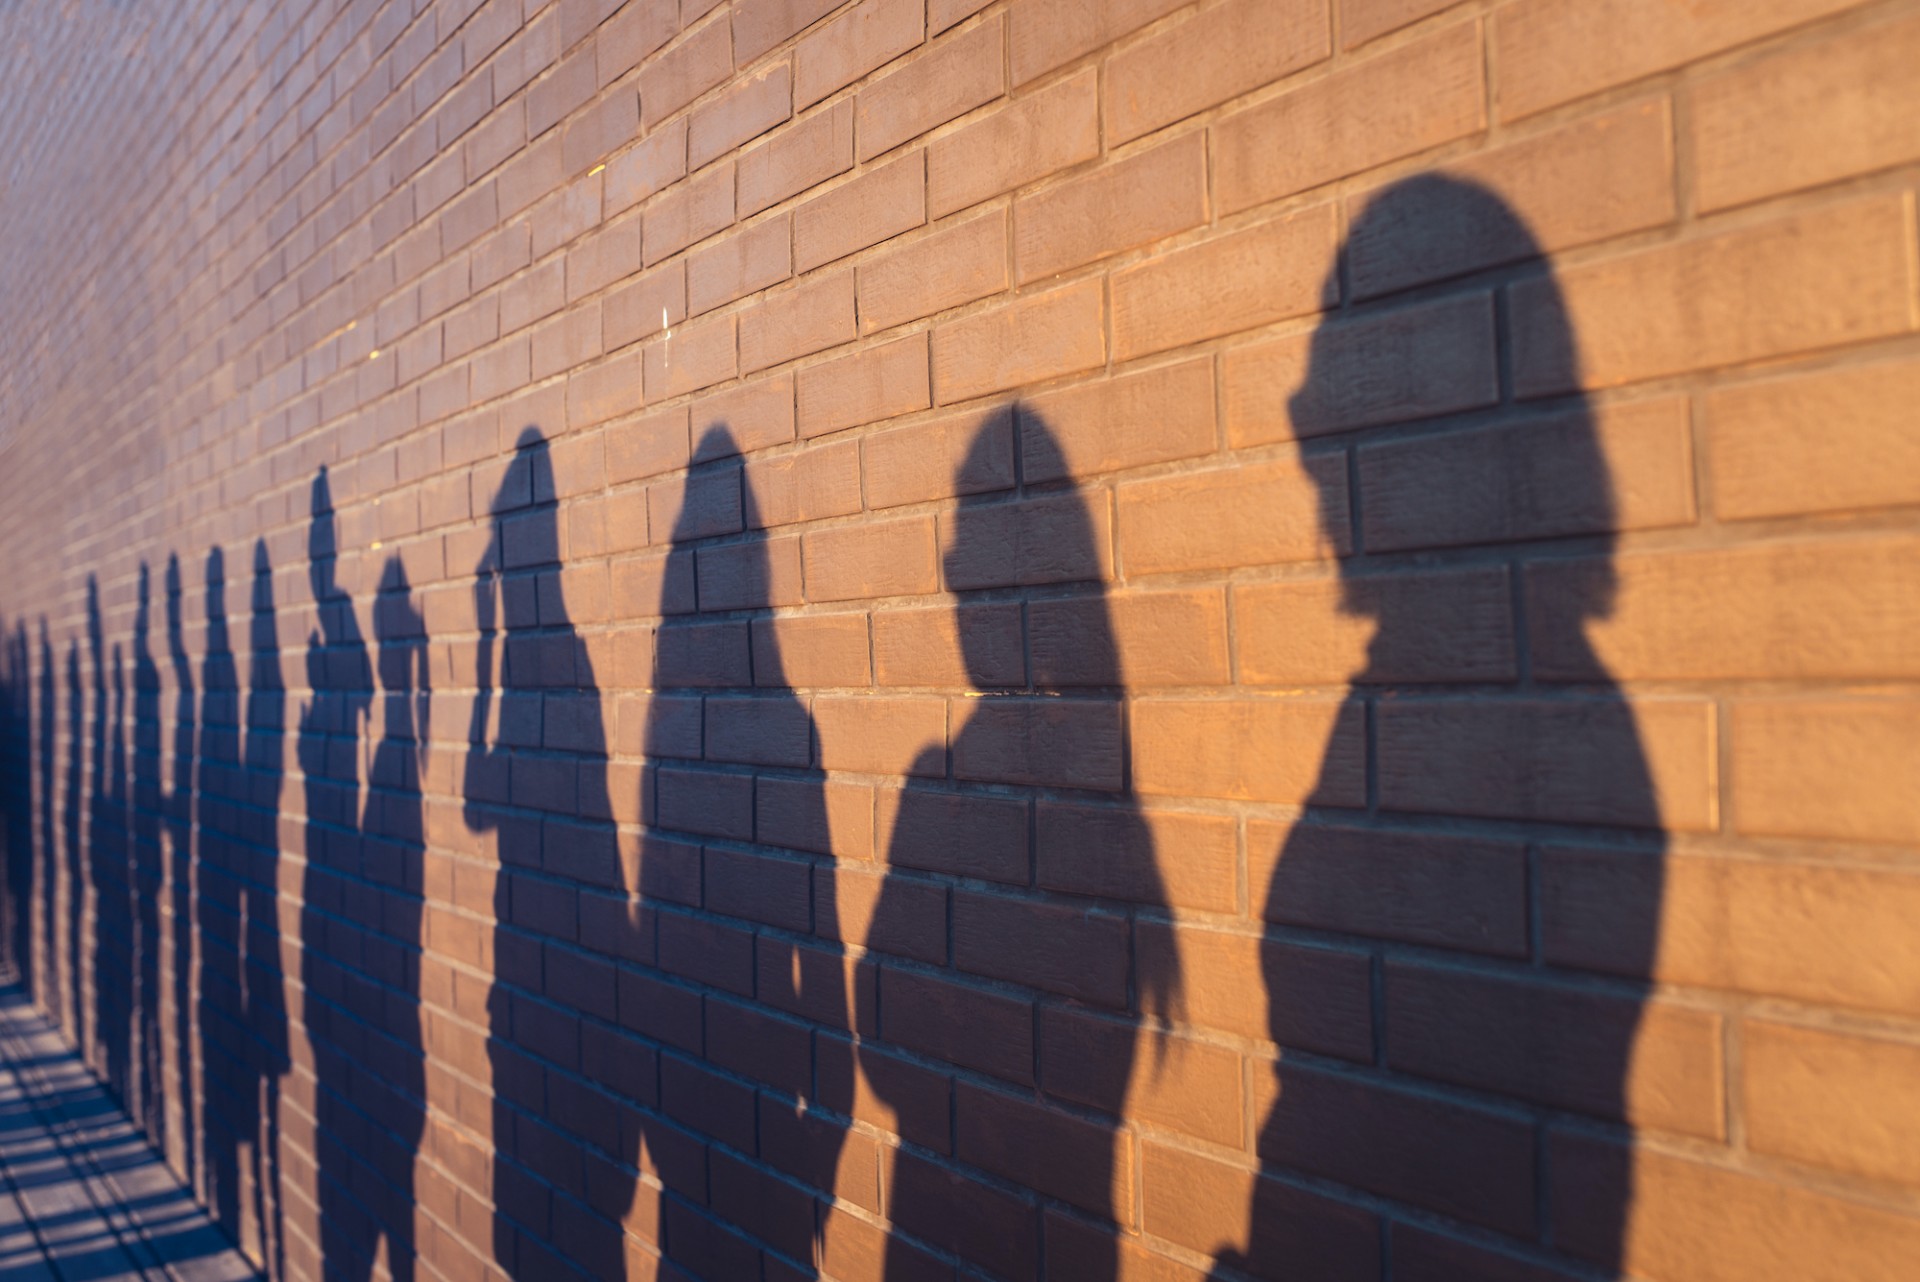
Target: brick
[
  {"x": 1109, "y": 851},
  {"x": 1027, "y": 341},
  {"x": 1365, "y": 20},
  {"x": 1428, "y": 360},
  {"x": 1060, "y": 743},
  {"x": 1445, "y": 891},
  {"x": 644, "y": 306},
  {"x": 1234, "y": 282},
  {"x": 1601, "y": 176},
  {"x": 1654, "y": 1065},
  {"x": 1650, "y": 763},
  {"x": 962, "y": 1024},
  {"x": 870, "y": 34},
  {"x": 1056, "y": 1153},
  {"x": 879, "y": 735},
  {"x": 1290, "y": 510},
  {"x": 807, "y": 485},
  {"x": 876, "y": 205},
  {"x": 955, "y": 455},
  {"x": 556, "y": 96},
  {"x": 1045, "y": 36},
  {"x": 746, "y": 576},
  {"x": 1031, "y": 137},
  {"x": 1357, "y": 118},
  {"x": 602, "y": 258},
  {"x": 659, "y": 161},
  {"x": 1815, "y": 931},
  {"x": 1162, "y": 638},
  {"x": 799, "y": 157},
  {"x": 1200, "y": 1202},
  {"x": 815, "y": 650},
  {"x": 1289, "y": 750},
  {"x": 697, "y": 356},
  {"x": 913, "y": 925},
  {"x": 965, "y": 834},
  {"x": 1696, "y": 1220},
  {"x": 1839, "y": 1101},
  {"x": 750, "y": 106},
  {"x": 1194, "y": 1088},
  {"x": 1618, "y": 466},
  {"x": 954, "y": 264},
  {"x": 1553, "y": 51},
  {"x": 1122, "y": 205},
  {"x": 1720, "y": 615},
  {"x": 648, "y": 446},
  {"x": 1214, "y": 55},
  {"x": 1829, "y": 441},
  {"x": 1819, "y": 279},
  {"x": 605, "y": 391},
  {"x": 814, "y": 315},
  {"x": 629, "y": 36},
  {"x": 598, "y": 131},
  {"x": 744, "y": 417},
  {"x": 879, "y": 558},
  {"x": 1430, "y": 1257},
  {"x": 689, "y": 214},
  {"x": 759, "y": 25},
  {"x": 1051, "y": 539},
  {"x": 1389, "y": 629},
  {"x": 872, "y": 384},
  {"x": 743, "y": 263},
  {"x": 966, "y": 647},
  {"x": 948, "y": 81},
  {"x": 1309, "y": 998},
  {"x": 1824, "y": 767},
  {"x": 1153, "y": 416},
  {"x": 1058, "y": 948},
  {"x": 685, "y": 71}
]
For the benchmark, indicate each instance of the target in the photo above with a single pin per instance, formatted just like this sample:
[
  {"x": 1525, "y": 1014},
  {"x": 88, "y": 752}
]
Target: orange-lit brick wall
[{"x": 1017, "y": 639}]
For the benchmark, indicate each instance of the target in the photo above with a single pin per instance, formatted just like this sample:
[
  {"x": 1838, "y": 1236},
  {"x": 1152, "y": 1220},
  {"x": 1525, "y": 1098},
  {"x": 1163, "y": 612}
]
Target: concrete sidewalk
[{"x": 82, "y": 1196}]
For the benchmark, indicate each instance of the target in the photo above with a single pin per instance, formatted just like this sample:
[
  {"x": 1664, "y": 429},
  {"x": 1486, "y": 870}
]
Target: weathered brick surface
[{"x": 992, "y": 639}]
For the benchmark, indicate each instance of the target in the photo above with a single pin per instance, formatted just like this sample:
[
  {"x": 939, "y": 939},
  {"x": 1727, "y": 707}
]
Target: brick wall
[{"x": 1010, "y": 639}]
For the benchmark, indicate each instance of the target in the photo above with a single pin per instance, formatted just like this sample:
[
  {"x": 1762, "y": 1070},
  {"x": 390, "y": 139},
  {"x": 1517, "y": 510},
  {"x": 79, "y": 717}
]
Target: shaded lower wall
[{"x": 992, "y": 640}]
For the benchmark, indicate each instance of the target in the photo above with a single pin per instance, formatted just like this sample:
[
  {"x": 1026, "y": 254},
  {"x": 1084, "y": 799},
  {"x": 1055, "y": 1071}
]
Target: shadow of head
[{"x": 1389, "y": 363}]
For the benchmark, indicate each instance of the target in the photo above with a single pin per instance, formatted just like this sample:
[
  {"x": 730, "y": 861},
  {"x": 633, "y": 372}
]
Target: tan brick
[
  {"x": 685, "y": 71},
  {"x": 750, "y": 106},
  {"x": 806, "y": 485},
  {"x": 1430, "y": 359},
  {"x": 691, "y": 358},
  {"x": 1695, "y": 1220},
  {"x": 1432, "y": 626},
  {"x": 1645, "y": 763},
  {"x": 1836, "y": 275},
  {"x": 1829, "y": 441},
  {"x": 867, "y": 386},
  {"x": 1553, "y": 51},
  {"x": 879, "y": 734},
  {"x": 821, "y": 651},
  {"x": 872, "y": 33},
  {"x": 1032, "y": 136},
  {"x": 1811, "y": 930},
  {"x": 1119, "y": 206},
  {"x": 1835, "y": 1100},
  {"x": 1405, "y": 101},
  {"x": 1027, "y": 341},
  {"x": 814, "y": 315},
  {"x": 1217, "y": 54},
  {"x": 802, "y": 155},
  {"x": 743, "y": 263},
  {"x": 1836, "y": 608},
  {"x": 951, "y": 79},
  {"x": 1832, "y": 767},
  {"x": 1601, "y": 176},
  {"x": 753, "y": 415},
  {"x": 1288, "y": 750},
  {"x": 1152, "y": 416},
  {"x": 1288, "y": 510},
  {"x": 1620, "y": 466},
  {"x": 1230, "y": 283},
  {"x": 923, "y": 647},
  {"x": 877, "y": 559},
  {"x": 876, "y": 206},
  {"x": 1046, "y": 35},
  {"x": 966, "y": 453},
  {"x": 953, "y": 264},
  {"x": 1364, "y": 20}
]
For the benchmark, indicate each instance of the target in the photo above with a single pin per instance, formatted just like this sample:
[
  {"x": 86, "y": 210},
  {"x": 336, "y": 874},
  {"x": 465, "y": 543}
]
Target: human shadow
[
  {"x": 16, "y": 798},
  {"x": 50, "y": 993},
  {"x": 104, "y": 1043},
  {"x": 72, "y": 805},
  {"x": 536, "y": 779},
  {"x": 1051, "y": 927},
  {"x": 216, "y": 910},
  {"x": 1353, "y": 867},
  {"x": 177, "y": 811},
  {"x": 147, "y": 882},
  {"x": 733, "y": 803}
]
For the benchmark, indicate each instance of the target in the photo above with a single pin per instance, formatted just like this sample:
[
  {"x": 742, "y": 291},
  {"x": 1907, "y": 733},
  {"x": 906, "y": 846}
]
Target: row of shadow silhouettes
[{"x": 585, "y": 930}]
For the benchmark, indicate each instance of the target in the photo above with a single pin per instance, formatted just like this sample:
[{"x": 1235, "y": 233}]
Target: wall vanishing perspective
[{"x": 1070, "y": 639}]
